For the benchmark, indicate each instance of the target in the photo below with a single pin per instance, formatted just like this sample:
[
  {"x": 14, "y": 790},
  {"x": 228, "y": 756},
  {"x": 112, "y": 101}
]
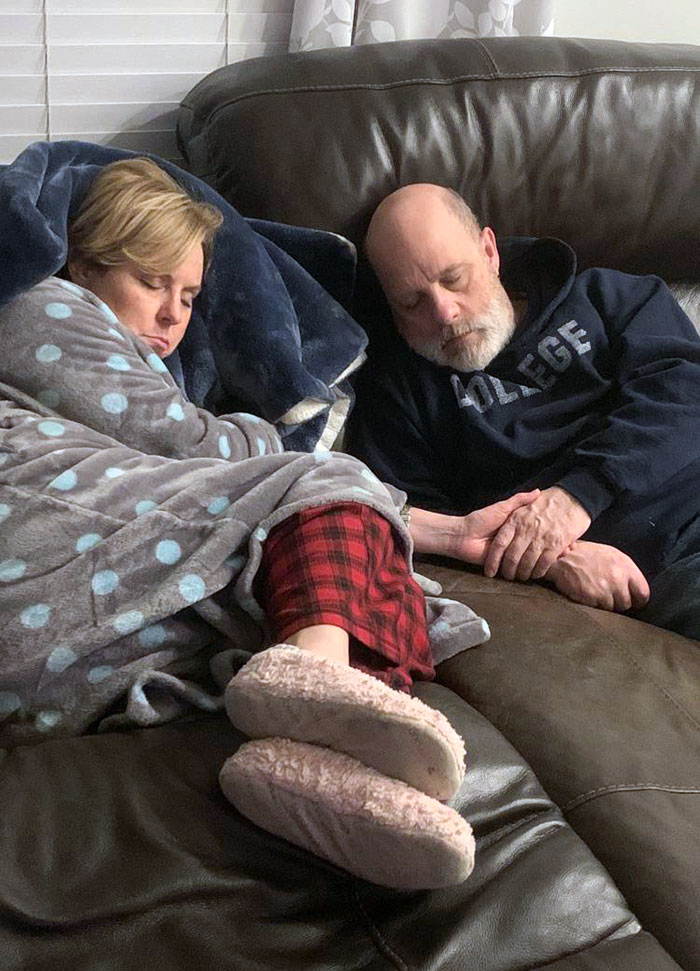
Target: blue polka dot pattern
[
  {"x": 359, "y": 491},
  {"x": 87, "y": 541},
  {"x": 156, "y": 364},
  {"x": 47, "y": 353},
  {"x": 104, "y": 582},
  {"x": 99, "y": 673},
  {"x": 145, "y": 505},
  {"x": 59, "y": 659},
  {"x": 49, "y": 397},
  {"x": 260, "y": 534},
  {"x": 113, "y": 472},
  {"x": 9, "y": 703},
  {"x": 64, "y": 481},
  {"x": 12, "y": 569},
  {"x": 254, "y": 418},
  {"x": 192, "y": 588},
  {"x": 58, "y": 311},
  {"x": 323, "y": 455},
  {"x": 114, "y": 403},
  {"x": 46, "y": 720},
  {"x": 152, "y": 636},
  {"x": 218, "y": 505},
  {"x": 118, "y": 363},
  {"x": 37, "y": 615},
  {"x": 168, "y": 551},
  {"x": 108, "y": 313},
  {"x": 260, "y": 442},
  {"x": 5, "y": 511},
  {"x": 224, "y": 447},
  {"x": 52, "y": 429},
  {"x": 115, "y": 333},
  {"x": 129, "y": 621},
  {"x": 175, "y": 411}
]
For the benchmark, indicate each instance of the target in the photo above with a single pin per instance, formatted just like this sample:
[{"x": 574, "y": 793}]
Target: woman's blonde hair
[{"x": 134, "y": 211}]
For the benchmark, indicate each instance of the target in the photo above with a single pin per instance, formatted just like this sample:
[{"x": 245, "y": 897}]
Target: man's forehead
[{"x": 426, "y": 262}]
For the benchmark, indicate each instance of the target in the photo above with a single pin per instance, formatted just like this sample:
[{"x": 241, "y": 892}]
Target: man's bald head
[
  {"x": 411, "y": 204},
  {"x": 439, "y": 271}
]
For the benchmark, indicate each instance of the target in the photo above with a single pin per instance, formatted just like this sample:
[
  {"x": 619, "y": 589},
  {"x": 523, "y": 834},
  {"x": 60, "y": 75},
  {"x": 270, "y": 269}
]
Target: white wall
[{"x": 653, "y": 21}]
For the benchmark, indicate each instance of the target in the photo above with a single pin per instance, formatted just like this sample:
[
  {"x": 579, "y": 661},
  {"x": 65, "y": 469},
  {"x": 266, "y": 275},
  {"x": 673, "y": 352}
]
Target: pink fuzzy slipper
[
  {"x": 377, "y": 828},
  {"x": 285, "y": 691}
]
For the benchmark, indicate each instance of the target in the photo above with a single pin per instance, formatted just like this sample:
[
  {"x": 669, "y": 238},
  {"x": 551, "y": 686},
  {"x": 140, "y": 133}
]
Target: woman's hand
[
  {"x": 480, "y": 527},
  {"x": 465, "y": 538}
]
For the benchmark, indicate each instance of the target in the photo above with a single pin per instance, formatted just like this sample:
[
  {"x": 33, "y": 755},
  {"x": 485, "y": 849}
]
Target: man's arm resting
[
  {"x": 601, "y": 576},
  {"x": 592, "y": 574}
]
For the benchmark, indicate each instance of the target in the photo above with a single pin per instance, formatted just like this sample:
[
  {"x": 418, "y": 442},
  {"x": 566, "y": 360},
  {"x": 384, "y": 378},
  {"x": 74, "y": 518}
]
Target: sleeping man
[{"x": 512, "y": 371}]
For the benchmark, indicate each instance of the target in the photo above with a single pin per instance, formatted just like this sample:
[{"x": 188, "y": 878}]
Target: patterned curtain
[{"x": 340, "y": 23}]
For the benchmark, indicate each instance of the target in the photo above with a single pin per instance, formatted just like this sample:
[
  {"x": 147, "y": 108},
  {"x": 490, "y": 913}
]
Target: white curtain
[{"x": 339, "y": 23}]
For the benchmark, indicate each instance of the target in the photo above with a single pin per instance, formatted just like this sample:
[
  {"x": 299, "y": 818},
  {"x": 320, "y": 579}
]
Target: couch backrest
[{"x": 597, "y": 142}]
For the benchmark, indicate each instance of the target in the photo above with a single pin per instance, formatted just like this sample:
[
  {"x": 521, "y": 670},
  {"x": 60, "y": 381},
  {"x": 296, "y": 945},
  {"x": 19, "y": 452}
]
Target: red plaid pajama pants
[{"x": 340, "y": 565}]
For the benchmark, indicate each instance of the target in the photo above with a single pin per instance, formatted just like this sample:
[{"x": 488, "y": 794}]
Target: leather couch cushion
[
  {"x": 606, "y": 710},
  {"x": 119, "y": 851}
]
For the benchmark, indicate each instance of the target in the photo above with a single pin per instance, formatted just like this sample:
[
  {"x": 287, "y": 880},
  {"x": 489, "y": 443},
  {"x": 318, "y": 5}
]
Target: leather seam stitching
[
  {"x": 487, "y": 55},
  {"x": 382, "y": 945},
  {"x": 592, "y": 794},
  {"x": 387, "y": 85}
]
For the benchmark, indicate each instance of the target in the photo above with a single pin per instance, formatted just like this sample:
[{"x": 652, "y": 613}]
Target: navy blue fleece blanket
[{"x": 265, "y": 336}]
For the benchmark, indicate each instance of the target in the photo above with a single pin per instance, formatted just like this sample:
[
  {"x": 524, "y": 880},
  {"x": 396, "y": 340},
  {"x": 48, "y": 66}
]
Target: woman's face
[{"x": 155, "y": 306}]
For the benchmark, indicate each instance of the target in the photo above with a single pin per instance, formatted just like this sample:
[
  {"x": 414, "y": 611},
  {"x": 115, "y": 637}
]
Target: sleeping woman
[{"x": 144, "y": 538}]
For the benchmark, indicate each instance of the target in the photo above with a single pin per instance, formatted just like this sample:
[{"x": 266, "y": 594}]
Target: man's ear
[{"x": 487, "y": 240}]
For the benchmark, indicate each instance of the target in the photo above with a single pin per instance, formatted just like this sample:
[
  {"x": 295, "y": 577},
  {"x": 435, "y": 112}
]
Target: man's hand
[
  {"x": 532, "y": 537},
  {"x": 599, "y": 576},
  {"x": 478, "y": 528}
]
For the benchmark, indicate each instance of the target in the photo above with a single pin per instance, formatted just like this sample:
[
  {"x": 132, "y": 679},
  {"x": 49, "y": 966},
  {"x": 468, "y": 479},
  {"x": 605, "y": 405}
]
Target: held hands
[
  {"x": 534, "y": 535},
  {"x": 477, "y": 530},
  {"x": 599, "y": 576},
  {"x": 592, "y": 574}
]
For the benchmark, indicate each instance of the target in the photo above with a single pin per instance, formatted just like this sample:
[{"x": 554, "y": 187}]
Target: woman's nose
[{"x": 170, "y": 310}]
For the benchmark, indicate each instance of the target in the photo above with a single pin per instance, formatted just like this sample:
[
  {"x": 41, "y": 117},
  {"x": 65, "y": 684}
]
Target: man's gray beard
[{"x": 496, "y": 326}]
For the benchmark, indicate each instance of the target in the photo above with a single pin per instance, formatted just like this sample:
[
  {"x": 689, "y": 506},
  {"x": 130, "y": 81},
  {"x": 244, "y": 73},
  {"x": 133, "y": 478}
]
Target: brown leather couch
[{"x": 118, "y": 852}]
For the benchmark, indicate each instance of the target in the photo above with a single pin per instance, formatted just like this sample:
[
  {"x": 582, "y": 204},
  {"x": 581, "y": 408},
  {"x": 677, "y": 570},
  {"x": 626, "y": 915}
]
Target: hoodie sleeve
[
  {"x": 652, "y": 429},
  {"x": 65, "y": 348}
]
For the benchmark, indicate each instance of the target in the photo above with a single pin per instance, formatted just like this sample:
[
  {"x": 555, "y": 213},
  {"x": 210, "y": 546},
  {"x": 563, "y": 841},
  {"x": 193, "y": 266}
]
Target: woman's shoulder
[
  {"x": 53, "y": 292},
  {"x": 61, "y": 299}
]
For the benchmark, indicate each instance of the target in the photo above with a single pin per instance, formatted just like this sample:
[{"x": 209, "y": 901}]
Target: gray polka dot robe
[{"x": 132, "y": 523}]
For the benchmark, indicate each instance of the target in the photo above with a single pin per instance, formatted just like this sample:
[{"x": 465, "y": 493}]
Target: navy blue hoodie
[{"x": 598, "y": 392}]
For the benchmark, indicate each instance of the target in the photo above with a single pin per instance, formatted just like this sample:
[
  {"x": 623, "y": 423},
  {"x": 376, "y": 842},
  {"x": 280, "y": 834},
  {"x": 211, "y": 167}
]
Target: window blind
[{"x": 114, "y": 71}]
